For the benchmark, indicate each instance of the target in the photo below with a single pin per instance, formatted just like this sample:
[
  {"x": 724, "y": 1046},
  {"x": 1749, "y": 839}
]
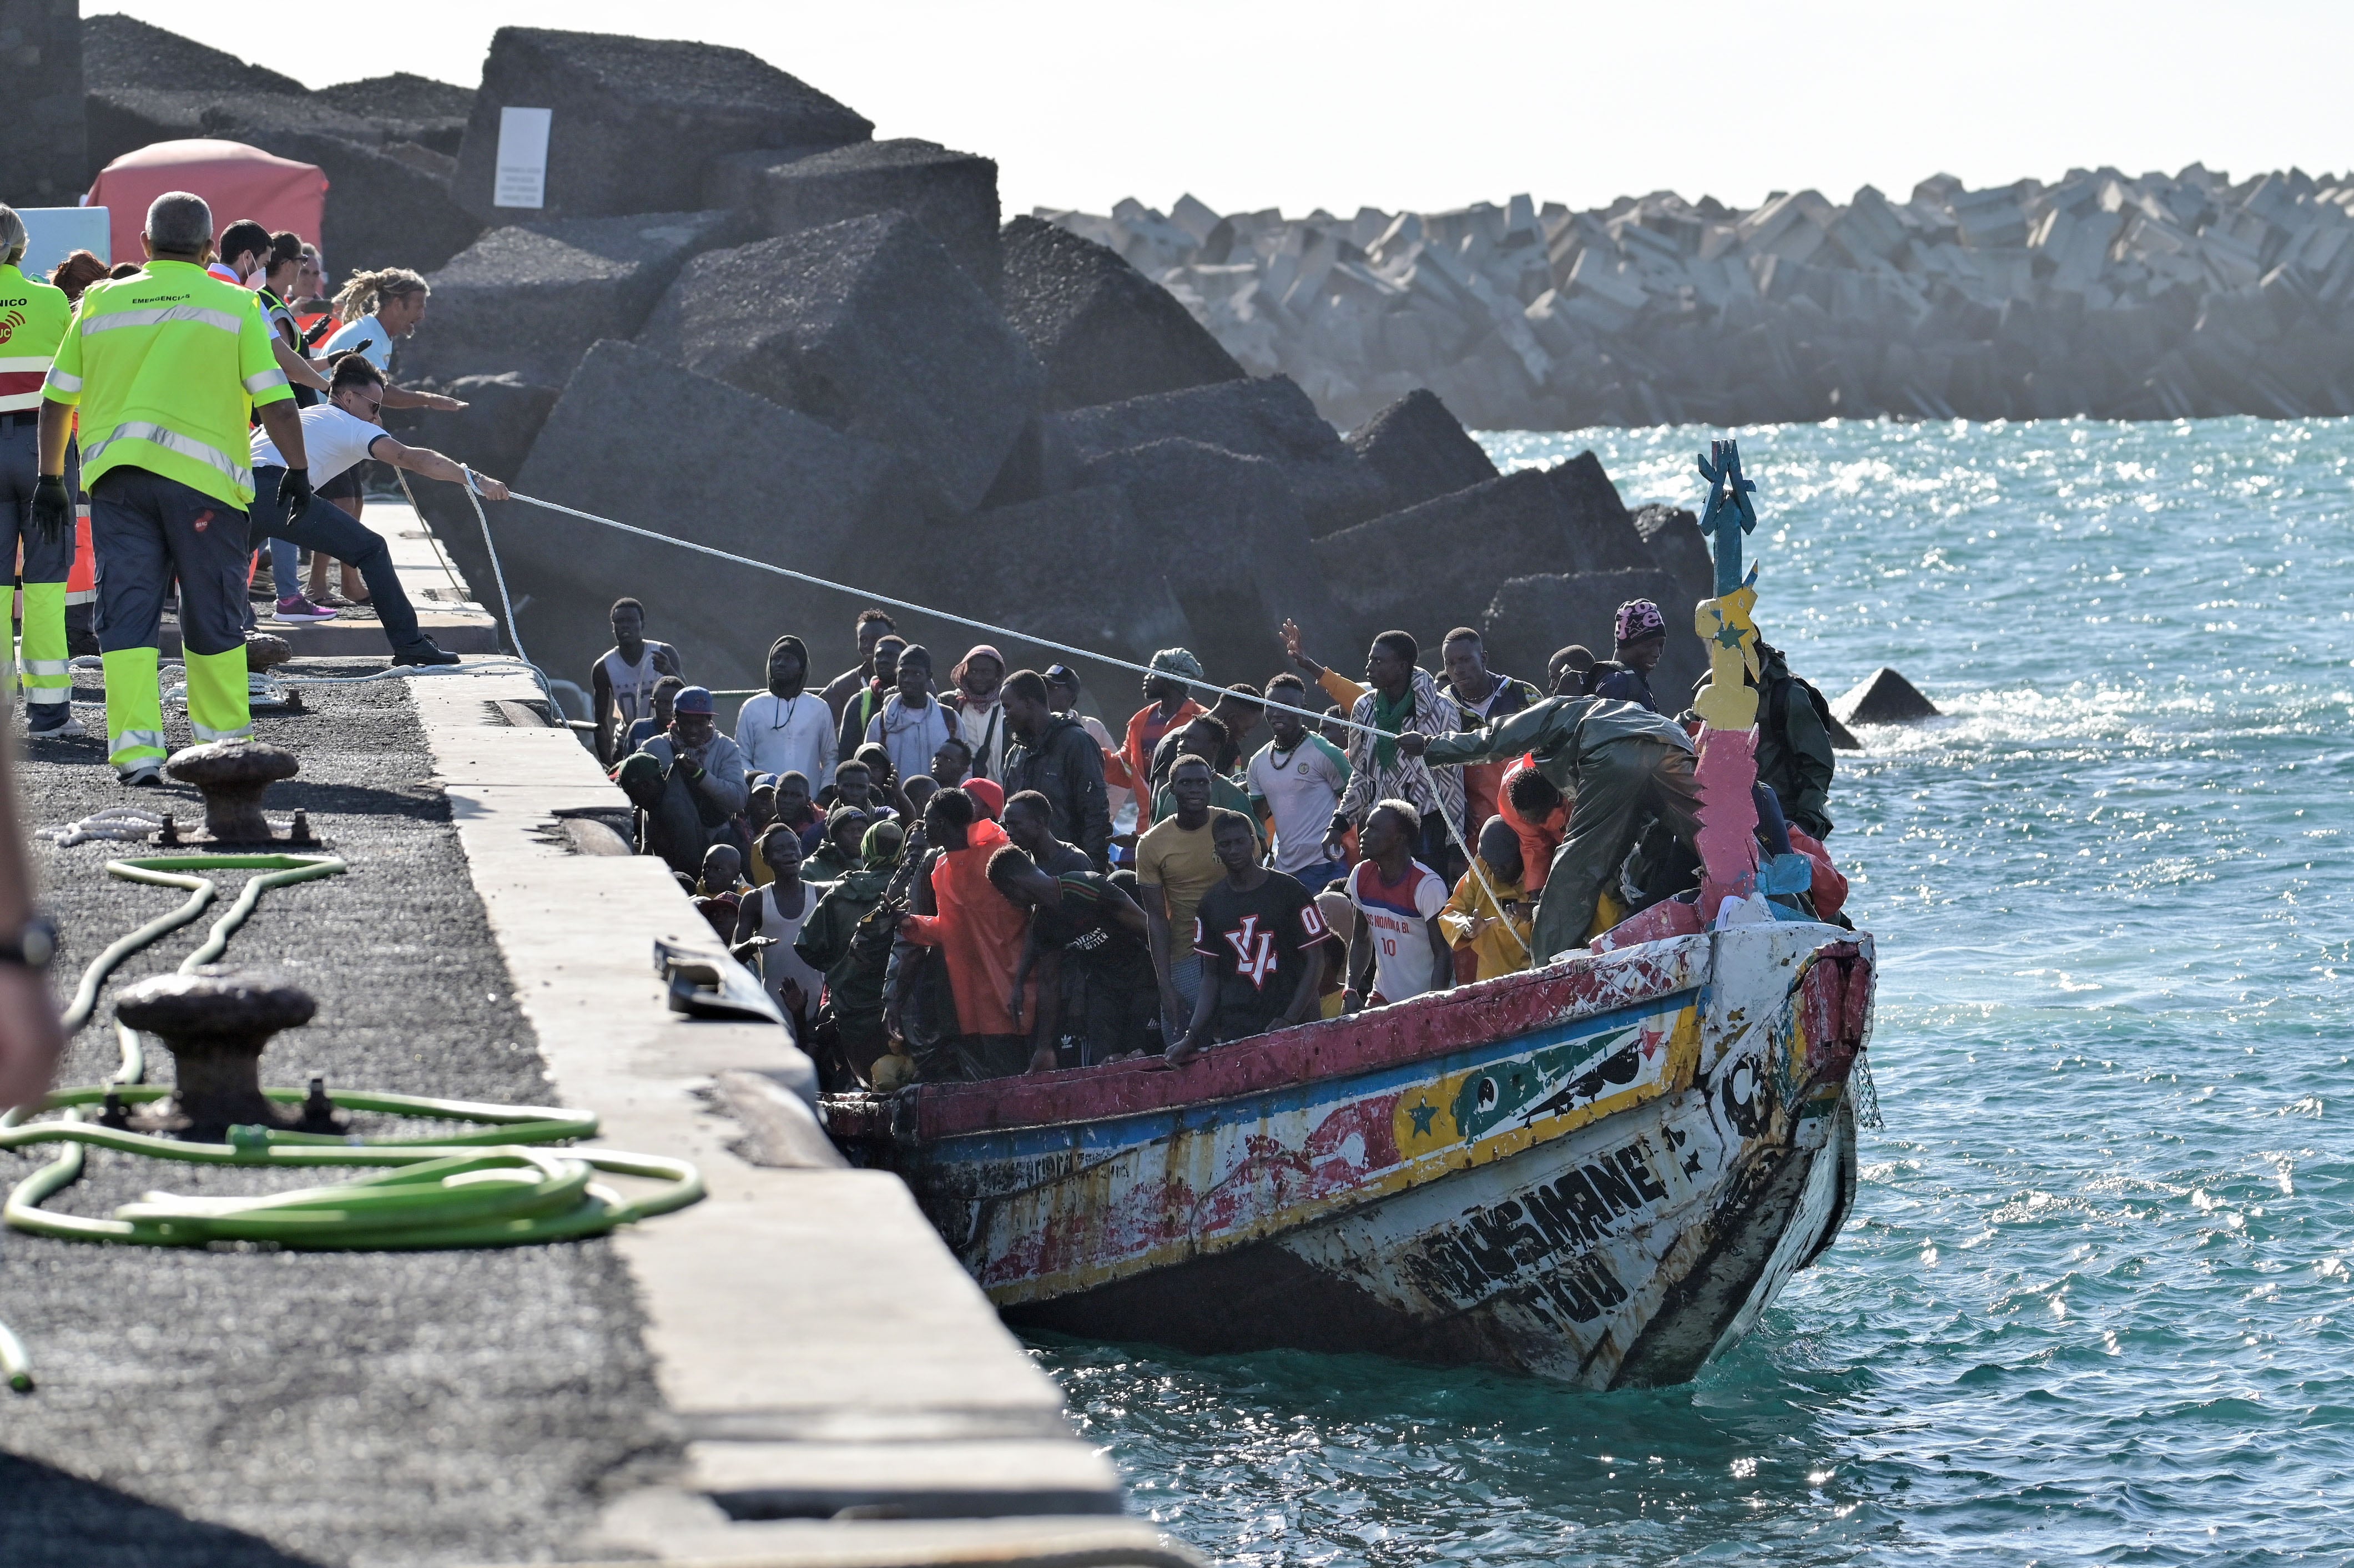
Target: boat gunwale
[{"x": 1308, "y": 1053}]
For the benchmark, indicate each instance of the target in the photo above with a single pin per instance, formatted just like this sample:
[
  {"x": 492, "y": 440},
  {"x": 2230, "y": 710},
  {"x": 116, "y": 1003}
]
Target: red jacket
[{"x": 978, "y": 931}]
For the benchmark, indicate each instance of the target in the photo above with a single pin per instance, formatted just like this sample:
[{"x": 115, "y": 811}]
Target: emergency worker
[
  {"x": 166, "y": 369},
  {"x": 33, "y": 319}
]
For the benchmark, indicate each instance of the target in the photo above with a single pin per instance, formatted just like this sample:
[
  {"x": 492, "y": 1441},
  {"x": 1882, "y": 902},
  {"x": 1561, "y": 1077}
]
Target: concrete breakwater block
[
  {"x": 953, "y": 195},
  {"x": 416, "y": 108},
  {"x": 1079, "y": 567},
  {"x": 1104, "y": 331},
  {"x": 1225, "y": 532},
  {"x": 871, "y": 327},
  {"x": 1672, "y": 535},
  {"x": 492, "y": 434},
  {"x": 638, "y": 439},
  {"x": 1270, "y": 419},
  {"x": 1420, "y": 450},
  {"x": 1419, "y": 569},
  {"x": 636, "y": 120},
  {"x": 1602, "y": 536},
  {"x": 1884, "y": 697},
  {"x": 147, "y": 85},
  {"x": 530, "y": 298},
  {"x": 1531, "y": 617}
]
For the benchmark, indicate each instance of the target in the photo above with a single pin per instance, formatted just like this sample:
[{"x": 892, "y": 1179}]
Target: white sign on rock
[{"x": 523, "y": 158}]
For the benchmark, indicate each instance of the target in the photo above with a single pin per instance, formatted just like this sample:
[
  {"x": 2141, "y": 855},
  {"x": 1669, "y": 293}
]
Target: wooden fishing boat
[{"x": 1599, "y": 1171}]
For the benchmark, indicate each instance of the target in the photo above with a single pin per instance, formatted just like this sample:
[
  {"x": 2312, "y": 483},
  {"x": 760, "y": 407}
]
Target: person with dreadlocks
[
  {"x": 788, "y": 729},
  {"x": 374, "y": 308}
]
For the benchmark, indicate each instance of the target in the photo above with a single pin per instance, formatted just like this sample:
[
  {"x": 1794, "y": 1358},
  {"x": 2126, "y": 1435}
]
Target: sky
[{"x": 1425, "y": 106}]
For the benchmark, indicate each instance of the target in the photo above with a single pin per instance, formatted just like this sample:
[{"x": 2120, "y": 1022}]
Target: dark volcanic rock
[
  {"x": 1603, "y": 530},
  {"x": 1226, "y": 533},
  {"x": 1270, "y": 419},
  {"x": 531, "y": 298},
  {"x": 1420, "y": 450},
  {"x": 1104, "y": 331},
  {"x": 871, "y": 327},
  {"x": 120, "y": 51},
  {"x": 409, "y": 108},
  {"x": 953, "y": 195},
  {"x": 1678, "y": 547},
  {"x": 1884, "y": 697},
  {"x": 1531, "y": 617},
  {"x": 637, "y": 119},
  {"x": 1078, "y": 567},
  {"x": 638, "y": 439}
]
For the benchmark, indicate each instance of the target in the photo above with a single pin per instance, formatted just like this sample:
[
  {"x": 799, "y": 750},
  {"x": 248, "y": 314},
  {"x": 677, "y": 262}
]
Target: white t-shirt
[
  {"x": 787, "y": 734},
  {"x": 369, "y": 330},
  {"x": 1397, "y": 921},
  {"x": 332, "y": 439},
  {"x": 1302, "y": 786}
]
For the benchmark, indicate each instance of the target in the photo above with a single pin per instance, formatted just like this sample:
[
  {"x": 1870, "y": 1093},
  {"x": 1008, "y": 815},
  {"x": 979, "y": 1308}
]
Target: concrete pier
[{"x": 792, "y": 1372}]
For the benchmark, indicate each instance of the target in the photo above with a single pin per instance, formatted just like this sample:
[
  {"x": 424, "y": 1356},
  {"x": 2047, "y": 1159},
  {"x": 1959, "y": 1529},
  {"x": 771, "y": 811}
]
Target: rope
[
  {"x": 474, "y": 495},
  {"x": 439, "y": 553},
  {"x": 478, "y": 1189}
]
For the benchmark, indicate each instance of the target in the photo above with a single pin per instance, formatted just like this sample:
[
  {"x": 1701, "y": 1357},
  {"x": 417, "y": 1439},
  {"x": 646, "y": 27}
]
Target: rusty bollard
[
  {"x": 217, "y": 1022},
  {"x": 232, "y": 775},
  {"x": 266, "y": 650}
]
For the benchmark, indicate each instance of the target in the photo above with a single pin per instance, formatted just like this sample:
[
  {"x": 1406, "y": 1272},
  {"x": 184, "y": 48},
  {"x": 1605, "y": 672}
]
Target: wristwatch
[{"x": 32, "y": 946}]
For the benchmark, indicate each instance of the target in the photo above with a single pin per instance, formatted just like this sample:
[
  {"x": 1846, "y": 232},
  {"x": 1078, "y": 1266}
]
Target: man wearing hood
[
  {"x": 786, "y": 730},
  {"x": 1053, "y": 755},
  {"x": 975, "y": 705}
]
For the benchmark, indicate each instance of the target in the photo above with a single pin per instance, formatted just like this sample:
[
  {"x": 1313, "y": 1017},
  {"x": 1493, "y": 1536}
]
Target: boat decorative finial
[{"x": 1727, "y": 773}]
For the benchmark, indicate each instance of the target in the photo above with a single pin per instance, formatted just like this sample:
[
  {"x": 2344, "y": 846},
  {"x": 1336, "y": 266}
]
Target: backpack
[{"x": 1778, "y": 712}]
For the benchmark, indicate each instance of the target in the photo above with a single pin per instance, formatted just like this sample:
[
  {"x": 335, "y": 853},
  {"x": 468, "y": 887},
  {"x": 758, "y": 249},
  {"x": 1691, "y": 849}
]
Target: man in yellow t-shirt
[
  {"x": 1177, "y": 863},
  {"x": 167, "y": 367}
]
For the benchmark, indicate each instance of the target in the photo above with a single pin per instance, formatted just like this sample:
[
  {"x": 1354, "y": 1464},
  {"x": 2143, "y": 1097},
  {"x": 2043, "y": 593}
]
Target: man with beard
[
  {"x": 785, "y": 729},
  {"x": 977, "y": 708}
]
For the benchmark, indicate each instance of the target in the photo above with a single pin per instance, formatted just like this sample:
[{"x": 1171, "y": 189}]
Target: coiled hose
[{"x": 471, "y": 1189}]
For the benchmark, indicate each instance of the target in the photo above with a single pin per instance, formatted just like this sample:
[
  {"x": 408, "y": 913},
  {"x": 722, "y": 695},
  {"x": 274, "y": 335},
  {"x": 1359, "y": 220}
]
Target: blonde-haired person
[{"x": 374, "y": 308}]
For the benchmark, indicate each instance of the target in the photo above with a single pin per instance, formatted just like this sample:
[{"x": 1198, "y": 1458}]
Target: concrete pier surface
[{"x": 792, "y": 1372}]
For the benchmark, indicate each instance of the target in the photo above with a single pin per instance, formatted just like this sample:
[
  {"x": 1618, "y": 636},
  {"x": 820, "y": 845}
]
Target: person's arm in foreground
[
  {"x": 1310, "y": 989},
  {"x": 30, "y": 1039},
  {"x": 1442, "y": 957}
]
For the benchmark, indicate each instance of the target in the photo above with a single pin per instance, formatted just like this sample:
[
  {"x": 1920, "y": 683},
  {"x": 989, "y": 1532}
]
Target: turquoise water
[{"x": 2094, "y": 1303}]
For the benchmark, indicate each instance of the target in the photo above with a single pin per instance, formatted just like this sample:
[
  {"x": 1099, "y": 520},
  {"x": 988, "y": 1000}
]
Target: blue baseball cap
[{"x": 691, "y": 700}]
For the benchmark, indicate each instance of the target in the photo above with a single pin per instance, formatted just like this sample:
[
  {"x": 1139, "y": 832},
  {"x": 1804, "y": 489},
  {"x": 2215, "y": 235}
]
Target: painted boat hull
[{"x": 1600, "y": 1174}]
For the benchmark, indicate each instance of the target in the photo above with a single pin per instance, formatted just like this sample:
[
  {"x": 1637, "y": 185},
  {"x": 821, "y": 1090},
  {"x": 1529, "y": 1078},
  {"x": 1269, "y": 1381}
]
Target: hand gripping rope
[
  {"x": 1454, "y": 832},
  {"x": 469, "y": 1189}
]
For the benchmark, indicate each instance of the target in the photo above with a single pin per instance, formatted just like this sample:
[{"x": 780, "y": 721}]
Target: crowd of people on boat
[{"x": 967, "y": 875}]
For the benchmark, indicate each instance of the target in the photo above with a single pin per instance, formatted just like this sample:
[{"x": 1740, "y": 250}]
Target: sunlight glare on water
[{"x": 2094, "y": 1303}]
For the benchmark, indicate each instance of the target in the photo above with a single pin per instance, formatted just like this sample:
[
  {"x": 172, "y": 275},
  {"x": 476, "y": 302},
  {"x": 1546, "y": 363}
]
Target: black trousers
[{"x": 324, "y": 525}]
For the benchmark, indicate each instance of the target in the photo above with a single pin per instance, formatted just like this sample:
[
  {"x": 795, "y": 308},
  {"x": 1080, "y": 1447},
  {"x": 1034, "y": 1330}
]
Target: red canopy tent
[{"x": 236, "y": 181}]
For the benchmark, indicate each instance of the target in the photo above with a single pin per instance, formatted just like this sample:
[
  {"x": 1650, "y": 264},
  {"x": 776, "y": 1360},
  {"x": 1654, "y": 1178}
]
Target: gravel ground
[{"x": 247, "y": 1407}]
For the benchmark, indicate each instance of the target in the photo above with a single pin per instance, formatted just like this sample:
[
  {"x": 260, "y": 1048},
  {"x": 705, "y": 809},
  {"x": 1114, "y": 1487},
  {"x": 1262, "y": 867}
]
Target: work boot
[
  {"x": 52, "y": 721},
  {"x": 423, "y": 652},
  {"x": 146, "y": 775}
]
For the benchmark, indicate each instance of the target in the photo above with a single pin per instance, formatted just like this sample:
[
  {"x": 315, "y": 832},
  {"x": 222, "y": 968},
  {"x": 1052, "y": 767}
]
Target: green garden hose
[{"x": 473, "y": 1189}]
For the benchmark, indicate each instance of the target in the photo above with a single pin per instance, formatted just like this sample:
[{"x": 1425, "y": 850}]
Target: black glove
[
  {"x": 294, "y": 492},
  {"x": 53, "y": 509}
]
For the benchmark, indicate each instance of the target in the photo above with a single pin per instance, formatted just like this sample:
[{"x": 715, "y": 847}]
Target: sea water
[{"x": 2094, "y": 1301}]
